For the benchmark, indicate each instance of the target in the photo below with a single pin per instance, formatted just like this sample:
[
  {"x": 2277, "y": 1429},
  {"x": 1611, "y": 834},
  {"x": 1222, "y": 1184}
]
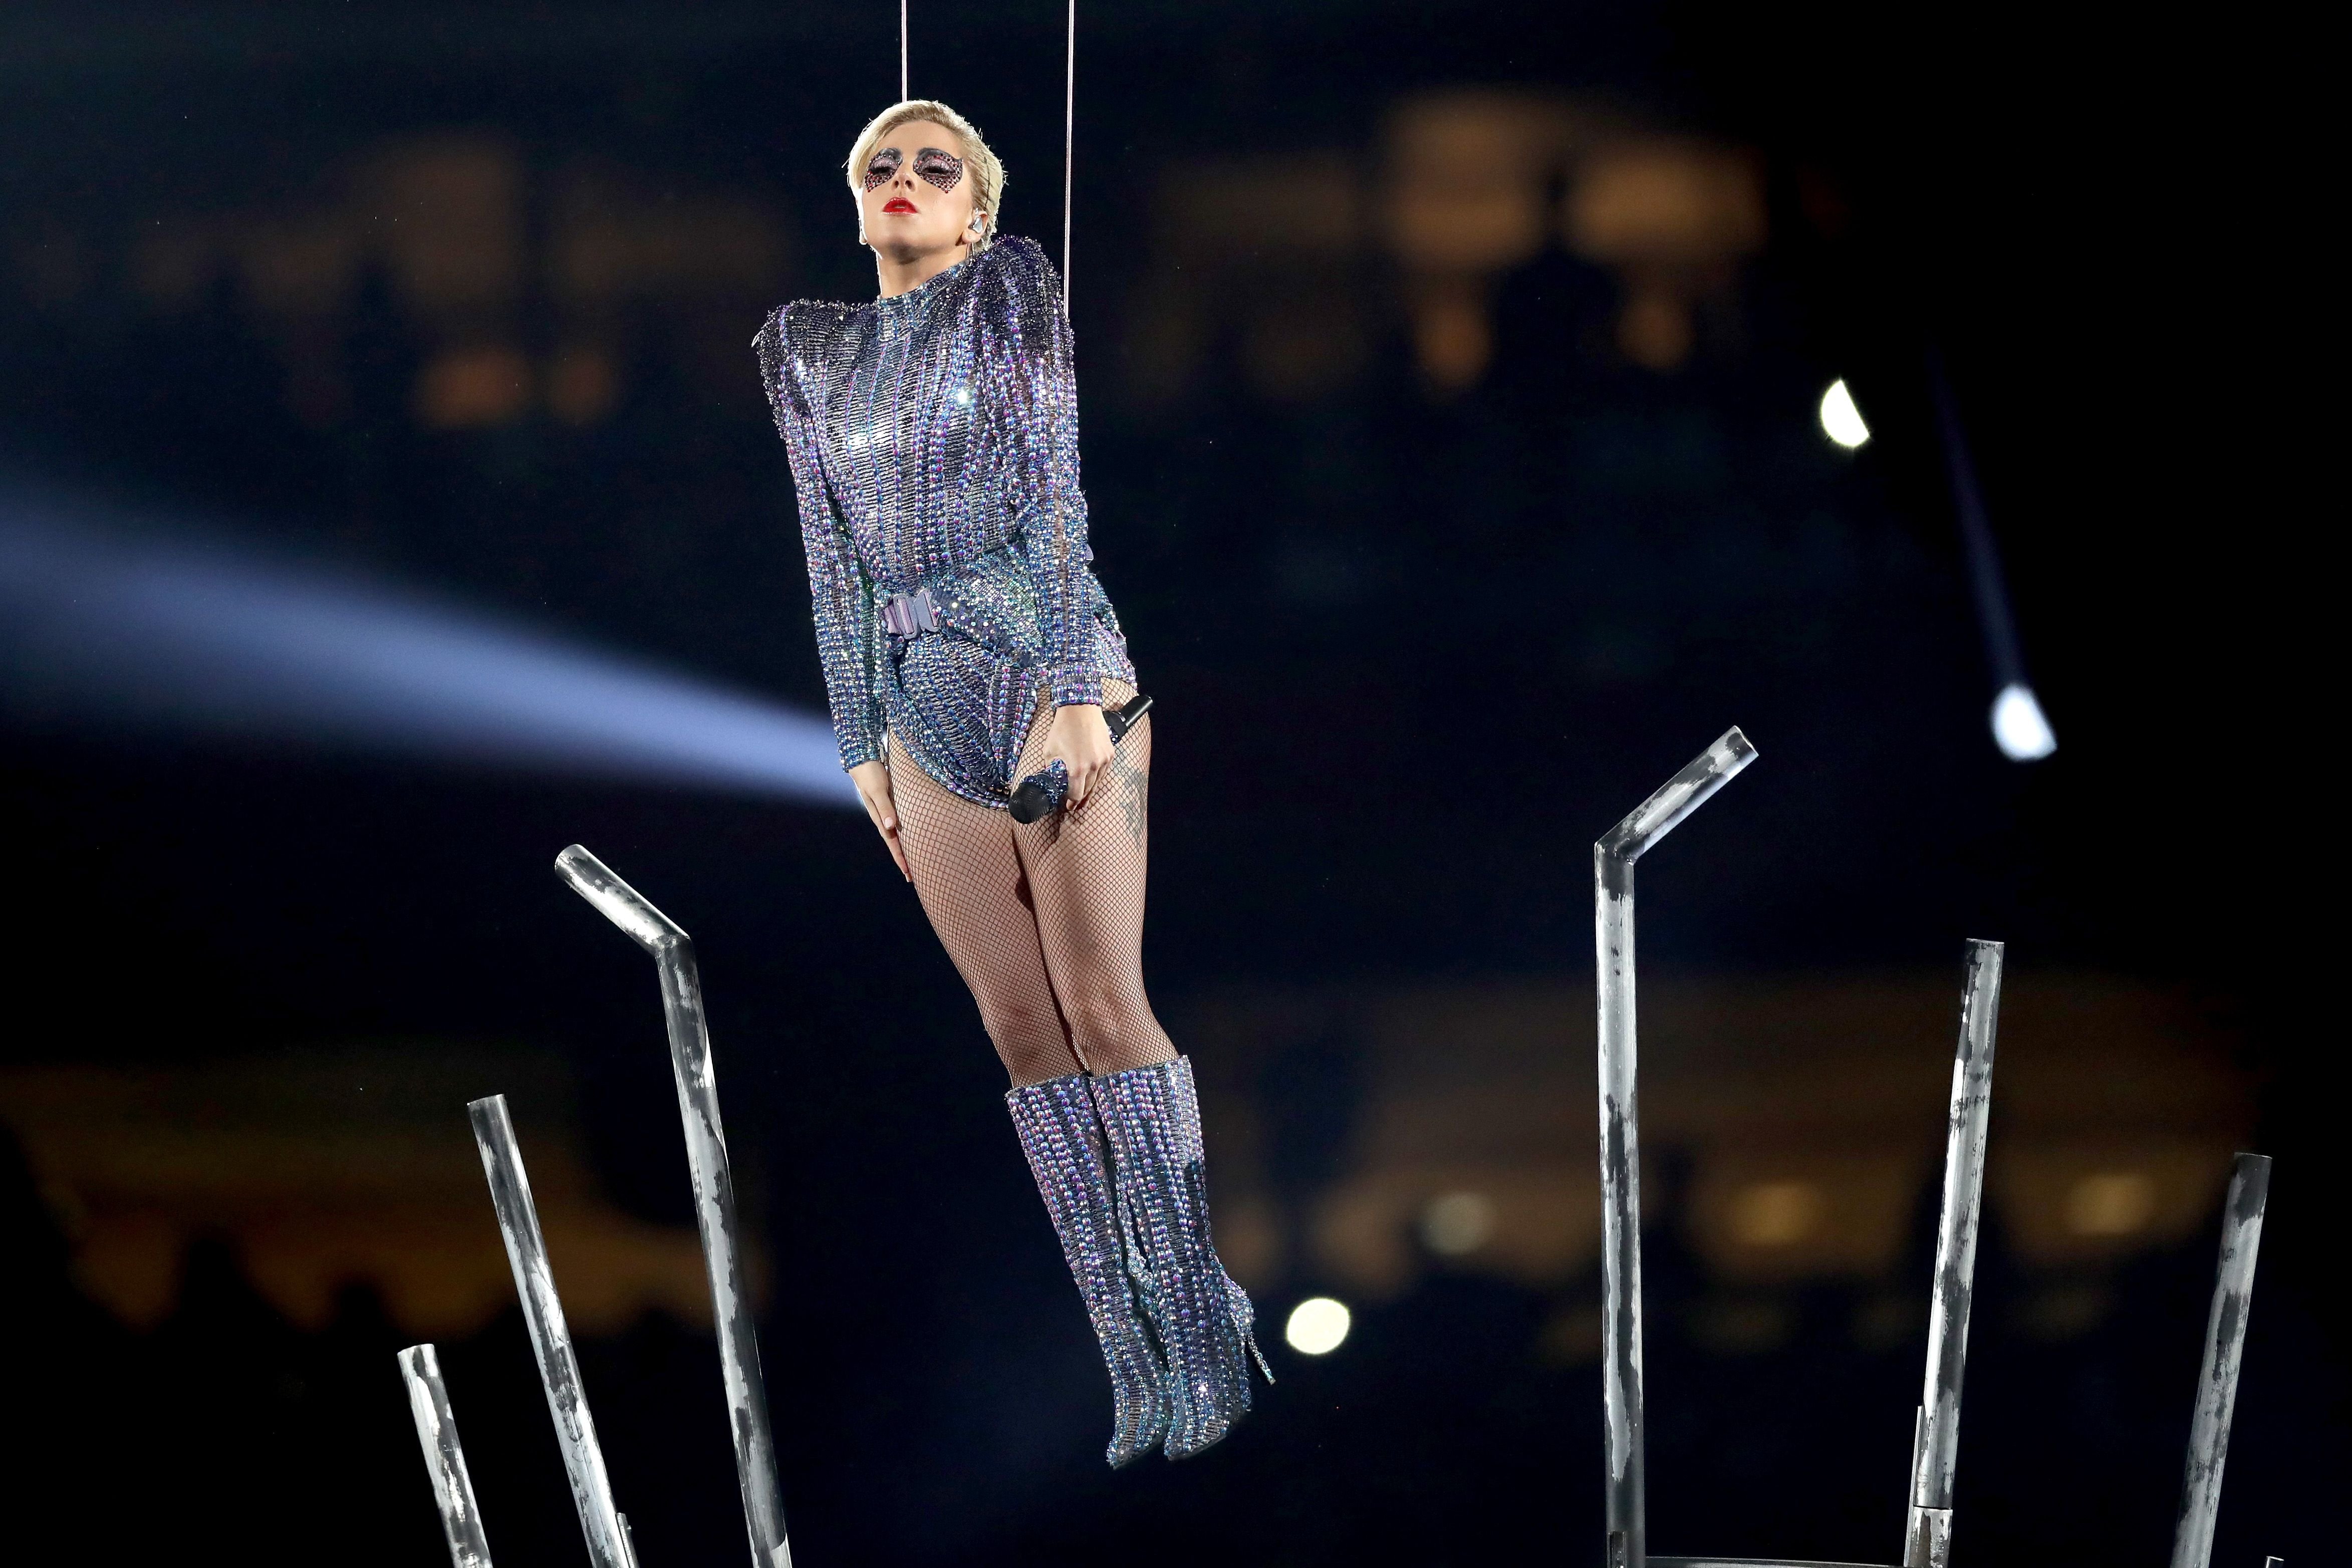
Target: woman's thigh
[
  {"x": 1087, "y": 872},
  {"x": 975, "y": 891}
]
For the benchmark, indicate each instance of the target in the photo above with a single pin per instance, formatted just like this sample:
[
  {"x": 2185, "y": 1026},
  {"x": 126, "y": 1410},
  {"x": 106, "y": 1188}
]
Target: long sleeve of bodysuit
[
  {"x": 1032, "y": 385},
  {"x": 848, "y": 636}
]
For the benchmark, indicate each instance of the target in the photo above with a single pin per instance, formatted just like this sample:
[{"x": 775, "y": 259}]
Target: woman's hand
[
  {"x": 873, "y": 782},
  {"x": 1081, "y": 739}
]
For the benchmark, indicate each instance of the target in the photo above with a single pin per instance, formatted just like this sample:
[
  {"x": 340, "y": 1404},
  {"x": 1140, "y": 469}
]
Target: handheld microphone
[{"x": 1041, "y": 795}]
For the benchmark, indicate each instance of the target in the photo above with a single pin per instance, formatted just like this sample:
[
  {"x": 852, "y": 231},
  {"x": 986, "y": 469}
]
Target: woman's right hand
[{"x": 873, "y": 782}]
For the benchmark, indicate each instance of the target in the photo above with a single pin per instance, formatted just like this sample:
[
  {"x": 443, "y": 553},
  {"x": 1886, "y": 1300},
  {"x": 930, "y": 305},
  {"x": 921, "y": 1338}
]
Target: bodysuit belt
[{"x": 910, "y": 614}]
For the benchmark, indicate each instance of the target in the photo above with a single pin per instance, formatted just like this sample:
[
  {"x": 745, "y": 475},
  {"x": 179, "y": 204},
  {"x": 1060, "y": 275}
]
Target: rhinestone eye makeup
[
  {"x": 885, "y": 164},
  {"x": 939, "y": 167}
]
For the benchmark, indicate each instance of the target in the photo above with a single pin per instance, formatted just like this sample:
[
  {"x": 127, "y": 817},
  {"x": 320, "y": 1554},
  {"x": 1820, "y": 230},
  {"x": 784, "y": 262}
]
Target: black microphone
[{"x": 1040, "y": 795}]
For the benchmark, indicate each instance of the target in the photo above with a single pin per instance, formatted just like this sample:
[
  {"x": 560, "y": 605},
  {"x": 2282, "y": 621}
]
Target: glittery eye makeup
[
  {"x": 939, "y": 167},
  {"x": 883, "y": 164}
]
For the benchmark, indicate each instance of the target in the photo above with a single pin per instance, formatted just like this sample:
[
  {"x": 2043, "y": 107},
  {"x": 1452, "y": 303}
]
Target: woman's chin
[{"x": 905, "y": 251}]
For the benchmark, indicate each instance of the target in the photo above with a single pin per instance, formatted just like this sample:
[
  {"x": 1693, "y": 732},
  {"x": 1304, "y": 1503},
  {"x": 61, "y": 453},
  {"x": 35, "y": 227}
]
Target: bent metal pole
[
  {"x": 551, "y": 1338},
  {"x": 714, "y": 1189},
  {"x": 2225, "y": 1343},
  {"x": 444, "y": 1457},
  {"x": 1620, "y": 1154},
  {"x": 1935, "y": 1446}
]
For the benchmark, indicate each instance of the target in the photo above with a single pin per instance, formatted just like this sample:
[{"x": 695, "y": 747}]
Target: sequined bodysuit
[{"x": 933, "y": 439}]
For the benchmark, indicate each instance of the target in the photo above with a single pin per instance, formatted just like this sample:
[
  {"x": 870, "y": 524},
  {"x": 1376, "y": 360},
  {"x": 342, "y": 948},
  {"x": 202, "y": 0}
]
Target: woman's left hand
[{"x": 1081, "y": 739}]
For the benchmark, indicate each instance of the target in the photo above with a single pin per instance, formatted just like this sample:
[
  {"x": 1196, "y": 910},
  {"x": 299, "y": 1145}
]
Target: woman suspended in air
[{"x": 967, "y": 645}]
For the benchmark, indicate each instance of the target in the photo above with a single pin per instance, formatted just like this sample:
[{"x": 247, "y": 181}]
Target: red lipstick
[{"x": 898, "y": 204}]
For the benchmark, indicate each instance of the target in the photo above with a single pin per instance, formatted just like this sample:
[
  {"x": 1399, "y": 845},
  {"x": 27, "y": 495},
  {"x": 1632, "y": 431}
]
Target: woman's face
[{"x": 917, "y": 195}]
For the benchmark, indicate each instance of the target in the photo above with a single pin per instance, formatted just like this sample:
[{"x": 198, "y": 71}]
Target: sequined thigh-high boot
[
  {"x": 1203, "y": 1318},
  {"x": 1059, "y": 1132}
]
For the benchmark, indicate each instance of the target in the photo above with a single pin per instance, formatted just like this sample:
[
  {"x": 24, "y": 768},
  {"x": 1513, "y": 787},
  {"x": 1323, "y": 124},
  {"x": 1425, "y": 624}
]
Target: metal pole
[
  {"x": 1620, "y": 1154},
  {"x": 2225, "y": 1343},
  {"x": 714, "y": 1189},
  {"x": 1936, "y": 1442},
  {"x": 551, "y": 1339},
  {"x": 444, "y": 1457}
]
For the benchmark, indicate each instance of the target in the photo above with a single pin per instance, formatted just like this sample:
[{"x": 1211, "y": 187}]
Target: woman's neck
[{"x": 896, "y": 276}]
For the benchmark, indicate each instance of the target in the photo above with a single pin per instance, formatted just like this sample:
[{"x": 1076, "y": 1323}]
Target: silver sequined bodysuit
[{"x": 934, "y": 444}]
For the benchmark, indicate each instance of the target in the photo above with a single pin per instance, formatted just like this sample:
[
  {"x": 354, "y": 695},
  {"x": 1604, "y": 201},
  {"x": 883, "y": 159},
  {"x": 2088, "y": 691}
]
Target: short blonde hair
[{"x": 979, "y": 160}]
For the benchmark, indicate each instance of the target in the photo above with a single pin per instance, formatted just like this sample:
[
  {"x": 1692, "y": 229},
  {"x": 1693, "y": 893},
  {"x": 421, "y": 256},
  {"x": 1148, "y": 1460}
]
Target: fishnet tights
[{"x": 1044, "y": 922}]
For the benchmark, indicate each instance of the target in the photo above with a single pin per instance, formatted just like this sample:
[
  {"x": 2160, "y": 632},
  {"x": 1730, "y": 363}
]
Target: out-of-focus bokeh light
[
  {"x": 2018, "y": 726},
  {"x": 1455, "y": 1224},
  {"x": 2111, "y": 1203},
  {"x": 1317, "y": 1326},
  {"x": 1840, "y": 420},
  {"x": 1777, "y": 1213}
]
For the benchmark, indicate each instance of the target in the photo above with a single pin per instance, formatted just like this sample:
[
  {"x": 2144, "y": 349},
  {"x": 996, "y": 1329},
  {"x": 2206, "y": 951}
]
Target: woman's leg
[
  {"x": 1085, "y": 872},
  {"x": 1087, "y": 875},
  {"x": 972, "y": 887}
]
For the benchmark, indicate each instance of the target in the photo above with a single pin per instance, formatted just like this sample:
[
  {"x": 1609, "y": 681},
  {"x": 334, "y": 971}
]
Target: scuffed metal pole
[
  {"x": 551, "y": 1338},
  {"x": 2225, "y": 1343},
  {"x": 1935, "y": 1445},
  {"x": 444, "y": 1457},
  {"x": 714, "y": 1189},
  {"x": 1621, "y": 1154}
]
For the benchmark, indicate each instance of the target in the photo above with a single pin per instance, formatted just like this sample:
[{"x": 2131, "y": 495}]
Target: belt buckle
[{"x": 909, "y": 614}]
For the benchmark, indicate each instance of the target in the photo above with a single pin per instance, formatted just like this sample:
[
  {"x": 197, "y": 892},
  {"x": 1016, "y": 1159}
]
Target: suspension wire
[
  {"x": 1069, "y": 147},
  {"x": 902, "y": 51}
]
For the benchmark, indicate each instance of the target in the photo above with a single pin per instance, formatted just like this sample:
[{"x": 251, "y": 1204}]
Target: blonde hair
[{"x": 979, "y": 160}]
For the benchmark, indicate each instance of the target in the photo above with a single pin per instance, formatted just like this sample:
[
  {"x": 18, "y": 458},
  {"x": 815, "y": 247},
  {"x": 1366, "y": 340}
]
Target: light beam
[
  {"x": 102, "y": 625},
  {"x": 2018, "y": 726}
]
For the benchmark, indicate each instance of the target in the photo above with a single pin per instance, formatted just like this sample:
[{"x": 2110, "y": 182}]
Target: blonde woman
[{"x": 933, "y": 439}]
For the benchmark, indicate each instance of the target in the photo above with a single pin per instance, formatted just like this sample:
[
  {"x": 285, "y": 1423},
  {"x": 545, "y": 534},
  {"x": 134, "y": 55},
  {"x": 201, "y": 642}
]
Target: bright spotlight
[
  {"x": 1317, "y": 1326},
  {"x": 1840, "y": 420},
  {"x": 2018, "y": 726}
]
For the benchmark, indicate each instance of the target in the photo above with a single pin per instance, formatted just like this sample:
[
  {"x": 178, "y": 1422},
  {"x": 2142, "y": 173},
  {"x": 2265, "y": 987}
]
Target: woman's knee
[
  {"x": 1032, "y": 1060},
  {"x": 1108, "y": 1020},
  {"x": 1023, "y": 1027}
]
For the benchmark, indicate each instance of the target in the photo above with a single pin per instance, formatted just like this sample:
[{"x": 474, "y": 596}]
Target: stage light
[
  {"x": 1840, "y": 420},
  {"x": 2019, "y": 729},
  {"x": 105, "y": 627},
  {"x": 1317, "y": 1326}
]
